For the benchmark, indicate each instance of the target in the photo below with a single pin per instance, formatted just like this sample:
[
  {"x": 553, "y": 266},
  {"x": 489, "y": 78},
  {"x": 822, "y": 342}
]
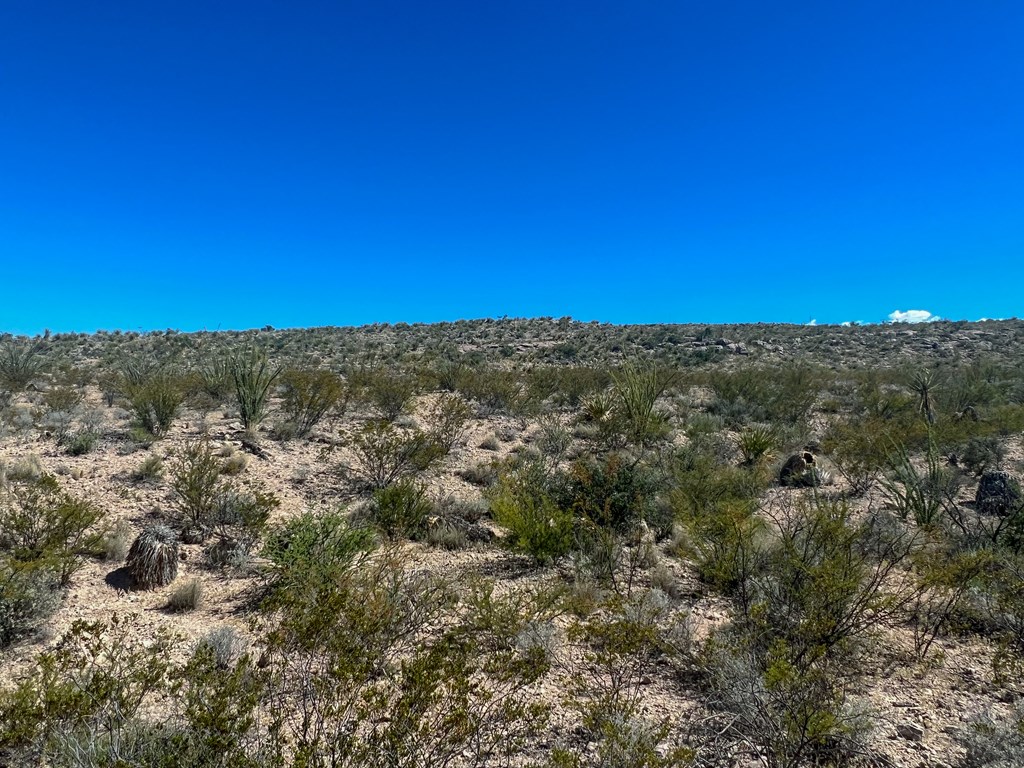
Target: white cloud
[
  {"x": 913, "y": 316},
  {"x": 813, "y": 322}
]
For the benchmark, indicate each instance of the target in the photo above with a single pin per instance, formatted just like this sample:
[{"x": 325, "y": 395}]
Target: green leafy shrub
[
  {"x": 401, "y": 509},
  {"x": 384, "y": 452},
  {"x": 85, "y": 693},
  {"x": 388, "y": 392},
  {"x": 196, "y": 482},
  {"x": 155, "y": 400},
  {"x": 238, "y": 519},
  {"x": 537, "y": 525},
  {"x": 308, "y": 397},
  {"x": 311, "y": 552},
  {"x": 446, "y": 419},
  {"x": 40, "y": 523}
]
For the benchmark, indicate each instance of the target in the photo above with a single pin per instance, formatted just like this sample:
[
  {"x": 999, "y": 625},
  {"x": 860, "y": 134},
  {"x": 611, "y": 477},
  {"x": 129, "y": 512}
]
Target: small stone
[{"x": 910, "y": 732}]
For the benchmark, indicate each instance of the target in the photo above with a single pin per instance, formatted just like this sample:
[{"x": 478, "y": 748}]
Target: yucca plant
[
  {"x": 924, "y": 383},
  {"x": 757, "y": 443},
  {"x": 253, "y": 376},
  {"x": 153, "y": 558}
]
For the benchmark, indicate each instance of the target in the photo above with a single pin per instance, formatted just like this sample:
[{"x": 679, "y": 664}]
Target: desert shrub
[
  {"x": 83, "y": 696},
  {"x": 566, "y": 386},
  {"x": 61, "y": 403},
  {"x": 494, "y": 391},
  {"x": 612, "y": 492},
  {"x": 992, "y": 743},
  {"x": 195, "y": 480},
  {"x": 763, "y": 395},
  {"x": 781, "y": 671},
  {"x": 824, "y": 580},
  {"x": 81, "y": 442},
  {"x": 151, "y": 468},
  {"x": 982, "y": 453},
  {"x": 399, "y": 677},
  {"x": 388, "y": 392},
  {"x": 253, "y": 377},
  {"x": 238, "y": 519},
  {"x": 401, "y": 509},
  {"x": 715, "y": 505},
  {"x": 537, "y": 525},
  {"x": 225, "y": 645},
  {"x": 153, "y": 557},
  {"x": 446, "y": 419},
  {"x": 185, "y": 597},
  {"x": 29, "y": 592},
  {"x": 483, "y": 474},
  {"x": 20, "y": 363},
  {"x": 621, "y": 646},
  {"x": 155, "y": 400},
  {"x": 41, "y": 523},
  {"x": 308, "y": 397},
  {"x": 310, "y": 552},
  {"x": 798, "y": 714},
  {"x": 859, "y": 450},
  {"x": 384, "y": 452},
  {"x": 946, "y": 577}
]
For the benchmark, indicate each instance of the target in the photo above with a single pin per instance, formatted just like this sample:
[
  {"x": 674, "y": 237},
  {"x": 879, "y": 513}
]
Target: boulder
[
  {"x": 998, "y": 493},
  {"x": 802, "y": 471}
]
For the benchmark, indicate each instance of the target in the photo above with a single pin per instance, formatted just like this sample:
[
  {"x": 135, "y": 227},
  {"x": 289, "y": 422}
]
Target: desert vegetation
[{"x": 516, "y": 542}]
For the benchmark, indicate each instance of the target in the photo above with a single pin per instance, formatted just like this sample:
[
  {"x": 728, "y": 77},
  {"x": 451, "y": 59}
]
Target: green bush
[
  {"x": 155, "y": 400},
  {"x": 311, "y": 552},
  {"x": 537, "y": 525},
  {"x": 383, "y": 453},
  {"x": 40, "y": 523},
  {"x": 308, "y": 397},
  {"x": 388, "y": 392},
  {"x": 195, "y": 480},
  {"x": 446, "y": 419},
  {"x": 401, "y": 509}
]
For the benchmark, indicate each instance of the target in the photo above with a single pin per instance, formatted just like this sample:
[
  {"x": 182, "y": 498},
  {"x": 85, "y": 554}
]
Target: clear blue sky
[{"x": 220, "y": 164}]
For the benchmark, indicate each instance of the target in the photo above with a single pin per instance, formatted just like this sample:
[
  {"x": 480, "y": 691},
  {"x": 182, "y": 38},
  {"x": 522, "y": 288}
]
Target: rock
[
  {"x": 802, "y": 471},
  {"x": 910, "y": 732},
  {"x": 998, "y": 493}
]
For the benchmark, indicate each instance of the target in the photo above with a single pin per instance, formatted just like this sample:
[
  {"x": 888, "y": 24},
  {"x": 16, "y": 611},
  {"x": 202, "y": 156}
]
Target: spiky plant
[
  {"x": 924, "y": 383},
  {"x": 153, "y": 557},
  {"x": 253, "y": 376},
  {"x": 637, "y": 389},
  {"x": 19, "y": 364}
]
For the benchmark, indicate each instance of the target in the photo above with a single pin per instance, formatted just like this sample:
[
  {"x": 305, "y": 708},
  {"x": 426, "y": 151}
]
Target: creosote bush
[
  {"x": 153, "y": 557},
  {"x": 308, "y": 396},
  {"x": 155, "y": 399}
]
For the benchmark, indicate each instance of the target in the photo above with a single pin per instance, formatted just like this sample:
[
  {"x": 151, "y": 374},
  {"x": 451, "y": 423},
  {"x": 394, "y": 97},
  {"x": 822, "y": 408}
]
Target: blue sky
[{"x": 201, "y": 165}]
